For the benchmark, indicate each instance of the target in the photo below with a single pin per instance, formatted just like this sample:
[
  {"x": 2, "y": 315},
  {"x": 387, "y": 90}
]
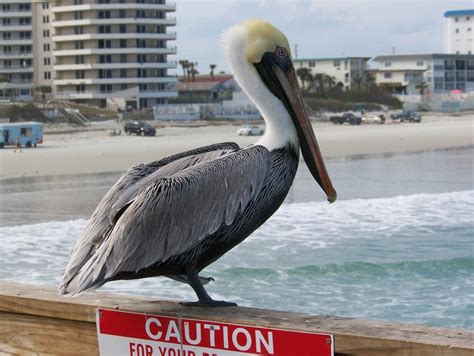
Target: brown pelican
[{"x": 176, "y": 216}]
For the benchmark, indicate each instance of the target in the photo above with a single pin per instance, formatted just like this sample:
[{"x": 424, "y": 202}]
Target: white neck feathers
[{"x": 279, "y": 126}]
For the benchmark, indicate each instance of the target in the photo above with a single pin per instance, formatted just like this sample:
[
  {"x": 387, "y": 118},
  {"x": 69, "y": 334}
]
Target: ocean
[{"x": 398, "y": 244}]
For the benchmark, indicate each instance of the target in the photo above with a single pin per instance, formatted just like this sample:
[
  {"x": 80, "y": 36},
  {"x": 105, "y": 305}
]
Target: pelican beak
[{"x": 280, "y": 78}]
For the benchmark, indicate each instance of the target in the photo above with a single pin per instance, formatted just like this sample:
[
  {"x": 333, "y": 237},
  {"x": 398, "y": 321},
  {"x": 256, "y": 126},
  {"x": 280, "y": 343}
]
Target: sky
[{"x": 320, "y": 28}]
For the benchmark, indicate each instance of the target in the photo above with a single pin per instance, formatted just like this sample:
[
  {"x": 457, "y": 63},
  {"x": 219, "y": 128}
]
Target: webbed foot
[{"x": 209, "y": 303}]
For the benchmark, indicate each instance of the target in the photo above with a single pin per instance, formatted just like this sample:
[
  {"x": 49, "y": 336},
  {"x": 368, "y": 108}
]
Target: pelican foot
[{"x": 209, "y": 303}]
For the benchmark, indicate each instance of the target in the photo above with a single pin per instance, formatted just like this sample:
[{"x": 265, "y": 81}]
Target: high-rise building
[
  {"x": 16, "y": 49},
  {"x": 88, "y": 51},
  {"x": 459, "y": 32}
]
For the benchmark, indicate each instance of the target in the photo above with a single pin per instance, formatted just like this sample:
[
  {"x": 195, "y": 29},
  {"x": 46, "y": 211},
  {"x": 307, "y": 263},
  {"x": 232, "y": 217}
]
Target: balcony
[
  {"x": 16, "y": 69},
  {"x": 89, "y": 66},
  {"x": 15, "y": 55},
  {"x": 11, "y": 14},
  {"x": 13, "y": 28},
  {"x": 98, "y": 95},
  {"x": 99, "y": 51},
  {"x": 115, "y": 36},
  {"x": 17, "y": 41},
  {"x": 137, "y": 80},
  {"x": 135, "y": 6},
  {"x": 114, "y": 21}
]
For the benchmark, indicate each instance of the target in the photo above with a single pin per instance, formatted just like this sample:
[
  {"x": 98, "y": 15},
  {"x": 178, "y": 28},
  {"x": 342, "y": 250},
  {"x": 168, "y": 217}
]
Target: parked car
[
  {"x": 346, "y": 117},
  {"x": 139, "y": 128},
  {"x": 410, "y": 116},
  {"x": 248, "y": 130},
  {"x": 373, "y": 119}
]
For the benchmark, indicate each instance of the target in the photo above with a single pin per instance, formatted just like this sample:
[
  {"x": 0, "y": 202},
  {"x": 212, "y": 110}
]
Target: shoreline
[{"x": 93, "y": 151}]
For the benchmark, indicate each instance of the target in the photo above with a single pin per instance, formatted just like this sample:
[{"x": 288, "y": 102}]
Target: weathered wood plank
[
  {"x": 353, "y": 336},
  {"x": 22, "y": 334}
]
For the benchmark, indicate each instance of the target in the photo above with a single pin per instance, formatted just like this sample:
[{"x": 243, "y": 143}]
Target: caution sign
[{"x": 135, "y": 334}]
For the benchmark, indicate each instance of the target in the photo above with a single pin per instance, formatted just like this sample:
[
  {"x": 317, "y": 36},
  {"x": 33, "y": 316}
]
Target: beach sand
[{"x": 93, "y": 151}]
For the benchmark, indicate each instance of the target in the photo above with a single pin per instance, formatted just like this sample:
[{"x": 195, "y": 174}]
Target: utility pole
[{"x": 296, "y": 50}]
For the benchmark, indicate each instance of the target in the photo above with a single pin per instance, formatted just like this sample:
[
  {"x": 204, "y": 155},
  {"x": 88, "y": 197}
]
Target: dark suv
[
  {"x": 139, "y": 128},
  {"x": 409, "y": 116}
]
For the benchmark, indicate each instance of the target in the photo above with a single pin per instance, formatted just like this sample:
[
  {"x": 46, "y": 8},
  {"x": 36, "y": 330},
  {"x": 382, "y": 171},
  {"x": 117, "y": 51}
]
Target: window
[
  {"x": 456, "y": 19},
  {"x": 47, "y": 61},
  {"x": 25, "y": 35},
  {"x": 79, "y": 59},
  {"x": 7, "y": 49},
  {"x": 7, "y": 35},
  {"x": 468, "y": 29},
  {"x": 47, "y": 75},
  {"x": 123, "y": 28},
  {"x": 104, "y": 14},
  {"x": 105, "y": 73},
  {"x": 123, "y": 43},
  {"x": 141, "y": 43},
  {"x": 337, "y": 63},
  {"x": 6, "y": 7},
  {"x": 419, "y": 63},
  {"x": 78, "y": 15},
  {"x": 45, "y": 33},
  {"x": 45, "y": 5},
  {"x": 123, "y": 73},
  {"x": 105, "y": 88},
  {"x": 24, "y": 7},
  {"x": 78, "y": 30},
  {"x": 46, "y": 47},
  {"x": 80, "y": 88},
  {"x": 457, "y": 30},
  {"x": 7, "y": 63},
  {"x": 122, "y": 14},
  {"x": 26, "y": 131},
  {"x": 140, "y": 14},
  {"x": 105, "y": 44},
  {"x": 77, "y": 2},
  {"x": 6, "y": 22},
  {"x": 123, "y": 86},
  {"x": 387, "y": 64},
  {"x": 24, "y": 21},
  {"x": 79, "y": 44},
  {"x": 46, "y": 19},
  {"x": 312, "y": 64},
  {"x": 140, "y": 28},
  {"x": 104, "y": 29},
  {"x": 387, "y": 75},
  {"x": 79, "y": 74},
  {"x": 123, "y": 58},
  {"x": 105, "y": 58}
]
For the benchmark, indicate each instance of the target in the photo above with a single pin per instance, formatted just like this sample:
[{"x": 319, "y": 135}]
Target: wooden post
[{"x": 35, "y": 319}]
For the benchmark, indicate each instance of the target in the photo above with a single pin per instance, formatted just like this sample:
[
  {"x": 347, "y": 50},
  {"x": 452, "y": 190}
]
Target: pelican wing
[
  {"x": 129, "y": 185},
  {"x": 173, "y": 214}
]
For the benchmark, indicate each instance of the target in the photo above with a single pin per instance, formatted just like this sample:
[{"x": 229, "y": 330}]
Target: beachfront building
[
  {"x": 345, "y": 71},
  {"x": 105, "y": 49},
  {"x": 442, "y": 73},
  {"x": 459, "y": 32},
  {"x": 16, "y": 50},
  {"x": 202, "y": 92},
  {"x": 96, "y": 52}
]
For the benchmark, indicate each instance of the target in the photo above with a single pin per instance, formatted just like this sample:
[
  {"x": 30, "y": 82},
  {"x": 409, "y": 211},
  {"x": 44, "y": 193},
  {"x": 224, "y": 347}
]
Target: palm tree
[
  {"x": 320, "y": 78},
  {"x": 303, "y": 73},
  {"x": 184, "y": 64},
  {"x": 193, "y": 71},
  {"x": 44, "y": 89},
  {"x": 330, "y": 81},
  {"x": 212, "y": 66},
  {"x": 357, "y": 81},
  {"x": 422, "y": 87}
]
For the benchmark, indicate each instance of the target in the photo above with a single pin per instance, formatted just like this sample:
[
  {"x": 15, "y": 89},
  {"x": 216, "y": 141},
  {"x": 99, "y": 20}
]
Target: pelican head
[{"x": 260, "y": 57}]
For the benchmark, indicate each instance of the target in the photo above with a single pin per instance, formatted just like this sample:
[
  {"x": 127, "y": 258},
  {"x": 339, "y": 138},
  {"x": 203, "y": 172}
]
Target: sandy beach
[{"x": 93, "y": 151}]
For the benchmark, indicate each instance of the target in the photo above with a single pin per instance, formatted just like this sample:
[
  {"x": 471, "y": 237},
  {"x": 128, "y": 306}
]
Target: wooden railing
[{"x": 36, "y": 320}]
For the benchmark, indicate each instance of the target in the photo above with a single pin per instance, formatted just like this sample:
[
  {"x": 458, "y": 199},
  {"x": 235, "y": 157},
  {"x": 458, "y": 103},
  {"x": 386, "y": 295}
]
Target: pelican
[{"x": 175, "y": 216}]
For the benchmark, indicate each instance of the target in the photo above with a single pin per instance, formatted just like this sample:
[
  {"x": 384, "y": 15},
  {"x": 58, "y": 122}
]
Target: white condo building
[
  {"x": 459, "y": 32},
  {"x": 89, "y": 51},
  {"x": 344, "y": 70}
]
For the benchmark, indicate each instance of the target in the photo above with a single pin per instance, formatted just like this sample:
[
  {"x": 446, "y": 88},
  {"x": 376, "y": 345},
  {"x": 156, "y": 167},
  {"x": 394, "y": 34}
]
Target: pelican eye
[{"x": 281, "y": 52}]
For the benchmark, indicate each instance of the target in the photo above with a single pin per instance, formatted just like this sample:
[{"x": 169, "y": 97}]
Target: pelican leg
[{"x": 204, "y": 299}]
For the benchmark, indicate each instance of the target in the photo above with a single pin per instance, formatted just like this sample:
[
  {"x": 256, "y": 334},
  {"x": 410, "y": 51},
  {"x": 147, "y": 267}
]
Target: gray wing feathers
[
  {"x": 174, "y": 213},
  {"x": 101, "y": 222}
]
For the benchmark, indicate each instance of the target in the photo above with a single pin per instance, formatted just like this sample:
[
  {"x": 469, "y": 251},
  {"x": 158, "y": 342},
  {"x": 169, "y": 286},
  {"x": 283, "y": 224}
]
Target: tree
[
  {"x": 184, "y": 64},
  {"x": 44, "y": 89},
  {"x": 212, "y": 66},
  {"x": 422, "y": 87},
  {"x": 320, "y": 78},
  {"x": 192, "y": 70},
  {"x": 357, "y": 81},
  {"x": 303, "y": 73}
]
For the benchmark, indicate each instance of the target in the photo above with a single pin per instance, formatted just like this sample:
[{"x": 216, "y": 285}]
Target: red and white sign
[{"x": 135, "y": 334}]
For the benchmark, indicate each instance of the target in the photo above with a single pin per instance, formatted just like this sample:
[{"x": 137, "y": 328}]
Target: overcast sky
[{"x": 320, "y": 28}]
